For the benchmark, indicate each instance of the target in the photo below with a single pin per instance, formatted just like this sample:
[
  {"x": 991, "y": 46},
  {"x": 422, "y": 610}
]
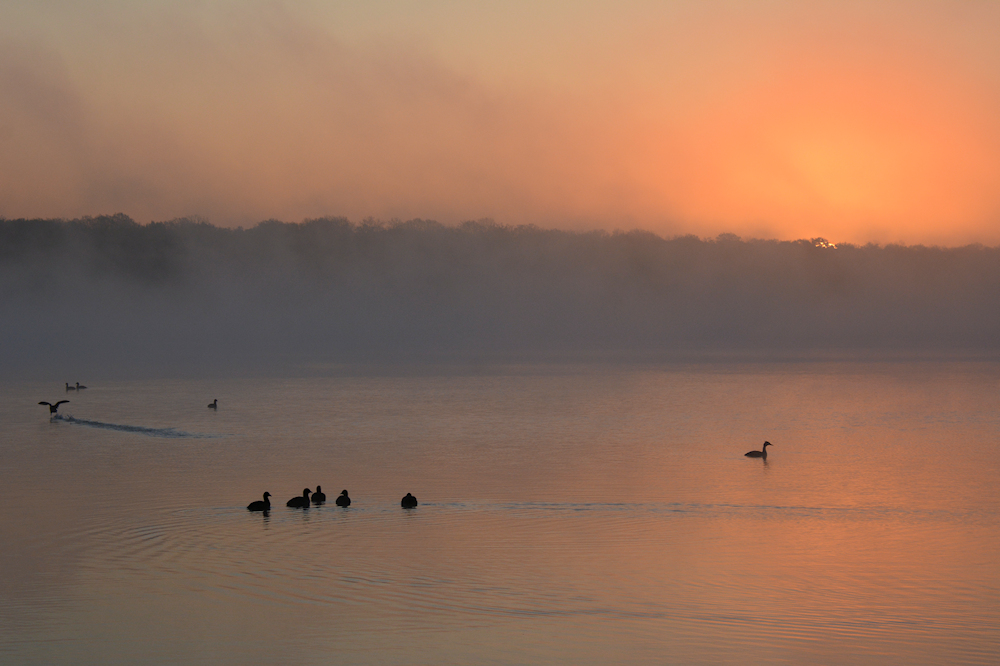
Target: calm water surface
[{"x": 570, "y": 515}]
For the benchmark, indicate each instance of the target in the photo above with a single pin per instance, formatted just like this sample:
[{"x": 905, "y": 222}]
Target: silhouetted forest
[{"x": 109, "y": 292}]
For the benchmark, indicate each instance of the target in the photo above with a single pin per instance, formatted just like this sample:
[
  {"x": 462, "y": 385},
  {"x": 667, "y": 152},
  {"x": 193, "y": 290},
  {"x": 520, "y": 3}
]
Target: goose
[
  {"x": 319, "y": 496},
  {"x": 53, "y": 409},
  {"x": 214, "y": 404},
  {"x": 300, "y": 502},
  {"x": 70, "y": 388},
  {"x": 343, "y": 500},
  {"x": 759, "y": 454},
  {"x": 79, "y": 386},
  {"x": 260, "y": 505},
  {"x": 408, "y": 502}
]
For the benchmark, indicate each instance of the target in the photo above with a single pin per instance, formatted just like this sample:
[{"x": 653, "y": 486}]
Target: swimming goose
[
  {"x": 759, "y": 454},
  {"x": 260, "y": 505},
  {"x": 300, "y": 502},
  {"x": 408, "y": 502},
  {"x": 70, "y": 388},
  {"x": 343, "y": 500},
  {"x": 215, "y": 404},
  {"x": 80, "y": 386},
  {"x": 319, "y": 496},
  {"x": 53, "y": 409}
]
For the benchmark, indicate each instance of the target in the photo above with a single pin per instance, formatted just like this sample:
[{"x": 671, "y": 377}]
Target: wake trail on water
[{"x": 172, "y": 433}]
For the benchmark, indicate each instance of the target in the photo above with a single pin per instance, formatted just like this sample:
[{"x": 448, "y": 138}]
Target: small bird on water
[
  {"x": 70, "y": 388},
  {"x": 79, "y": 386},
  {"x": 300, "y": 502},
  {"x": 343, "y": 500},
  {"x": 759, "y": 454},
  {"x": 319, "y": 496},
  {"x": 408, "y": 502},
  {"x": 260, "y": 505},
  {"x": 214, "y": 404},
  {"x": 53, "y": 409}
]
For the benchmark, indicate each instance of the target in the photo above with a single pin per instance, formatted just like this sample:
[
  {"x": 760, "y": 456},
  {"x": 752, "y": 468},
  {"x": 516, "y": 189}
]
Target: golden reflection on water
[{"x": 596, "y": 516}]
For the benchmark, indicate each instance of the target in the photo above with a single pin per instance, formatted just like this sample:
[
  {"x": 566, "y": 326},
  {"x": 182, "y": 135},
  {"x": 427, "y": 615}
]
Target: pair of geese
[
  {"x": 78, "y": 387},
  {"x": 318, "y": 497},
  {"x": 302, "y": 502}
]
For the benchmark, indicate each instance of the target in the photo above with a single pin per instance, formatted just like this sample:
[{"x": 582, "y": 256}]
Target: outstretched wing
[
  {"x": 60, "y": 402},
  {"x": 45, "y": 403}
]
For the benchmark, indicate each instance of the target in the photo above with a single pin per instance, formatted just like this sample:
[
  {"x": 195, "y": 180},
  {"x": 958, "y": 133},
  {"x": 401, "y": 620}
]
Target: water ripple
[{"x": 141, "y": 430}]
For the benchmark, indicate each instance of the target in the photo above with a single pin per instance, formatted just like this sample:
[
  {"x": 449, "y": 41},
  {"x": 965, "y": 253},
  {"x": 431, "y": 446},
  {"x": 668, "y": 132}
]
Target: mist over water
[{"x": 104, "y": 294}]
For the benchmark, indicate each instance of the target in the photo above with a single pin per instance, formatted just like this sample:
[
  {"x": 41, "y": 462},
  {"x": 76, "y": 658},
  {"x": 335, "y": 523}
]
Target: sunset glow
[{"x": 852, "y": 121}]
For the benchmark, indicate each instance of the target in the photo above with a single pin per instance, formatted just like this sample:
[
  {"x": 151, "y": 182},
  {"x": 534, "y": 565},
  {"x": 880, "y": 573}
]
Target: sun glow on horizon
[{"x": 850, "y": 121}]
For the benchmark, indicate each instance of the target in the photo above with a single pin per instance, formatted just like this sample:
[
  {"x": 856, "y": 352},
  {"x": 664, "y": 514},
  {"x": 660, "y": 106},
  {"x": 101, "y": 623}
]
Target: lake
[{"x": 569, "y": 514}]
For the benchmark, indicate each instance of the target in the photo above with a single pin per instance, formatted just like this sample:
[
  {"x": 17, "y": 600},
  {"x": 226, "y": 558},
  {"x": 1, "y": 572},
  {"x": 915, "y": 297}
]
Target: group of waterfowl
[
  {"x": 54, "y": 407},
  {"x": 304, "y": 500},
  {"x": 319, "y": 497}
]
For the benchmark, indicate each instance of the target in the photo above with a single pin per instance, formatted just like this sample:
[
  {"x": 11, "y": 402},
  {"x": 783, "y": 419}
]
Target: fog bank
[{"x": 108, "y": 295}]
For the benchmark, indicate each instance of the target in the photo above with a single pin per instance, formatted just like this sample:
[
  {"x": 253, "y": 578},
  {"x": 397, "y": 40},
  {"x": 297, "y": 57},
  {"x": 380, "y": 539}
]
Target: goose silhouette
[
  {"x": 301, "y": 502},
  {"x": 53, "y": 409},
  {"x": 260, "y": 505},
  {"x": 343, "y": 500},
  {"x": 759, "y": 454},
  {"x": 79, "y": 386},
  {"x": 408, "y": 502},
  {"x": 319, "y": 496},
  {"x": 70, "y": 388},
  {"x": 214, "y": 404}
]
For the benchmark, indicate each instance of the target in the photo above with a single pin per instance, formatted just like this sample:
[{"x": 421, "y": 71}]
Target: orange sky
[{"x": 856, "y": 121}]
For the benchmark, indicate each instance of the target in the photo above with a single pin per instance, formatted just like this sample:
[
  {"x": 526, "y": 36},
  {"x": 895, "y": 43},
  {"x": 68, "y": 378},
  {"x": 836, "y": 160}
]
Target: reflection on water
[{"x": 594, "y": 516}]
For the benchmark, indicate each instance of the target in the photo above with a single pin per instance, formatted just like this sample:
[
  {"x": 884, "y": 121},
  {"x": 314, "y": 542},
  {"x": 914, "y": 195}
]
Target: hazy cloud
[{"x": 846, "y": 120}]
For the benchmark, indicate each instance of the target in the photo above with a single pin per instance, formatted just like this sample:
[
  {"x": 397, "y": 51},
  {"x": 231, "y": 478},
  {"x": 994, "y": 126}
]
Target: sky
[{"x": 855, "y": 121}]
